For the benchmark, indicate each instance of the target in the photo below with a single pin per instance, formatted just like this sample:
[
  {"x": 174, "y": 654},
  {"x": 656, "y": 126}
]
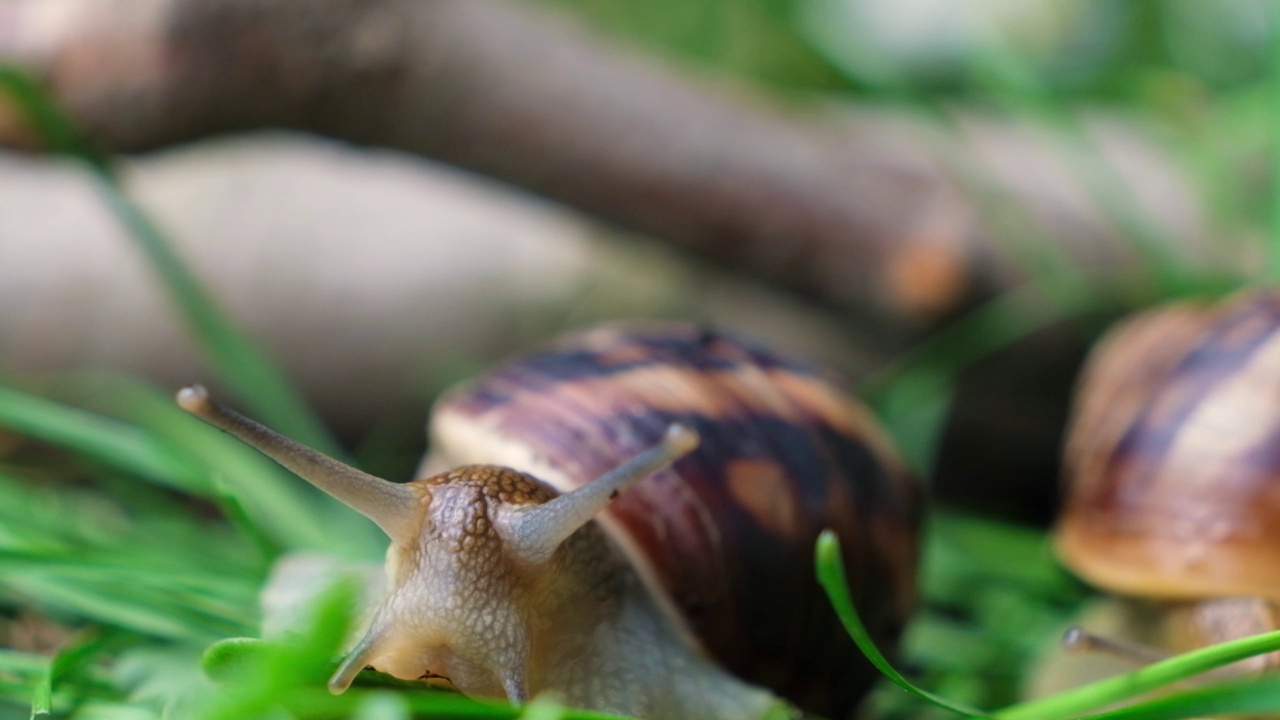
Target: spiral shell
[
  {"x": 1173, "y": 456},
  {"x": 725, "y": 539}
]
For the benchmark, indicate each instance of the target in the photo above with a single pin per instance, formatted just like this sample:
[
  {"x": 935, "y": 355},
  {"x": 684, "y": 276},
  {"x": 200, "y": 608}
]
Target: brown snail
[
  {"x": 684, "y": 595},
  {"x": 1172, "y": 470}
]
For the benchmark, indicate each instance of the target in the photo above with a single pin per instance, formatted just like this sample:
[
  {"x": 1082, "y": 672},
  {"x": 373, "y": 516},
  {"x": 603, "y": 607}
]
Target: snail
[
  {"x": 1172, "y": 477},
  {"x": 627, "y": 517}
]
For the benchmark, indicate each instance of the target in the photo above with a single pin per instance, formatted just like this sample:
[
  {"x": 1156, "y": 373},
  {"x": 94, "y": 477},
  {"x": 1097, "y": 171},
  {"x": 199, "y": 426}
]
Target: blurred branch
[{"x": 866, "y": 211}]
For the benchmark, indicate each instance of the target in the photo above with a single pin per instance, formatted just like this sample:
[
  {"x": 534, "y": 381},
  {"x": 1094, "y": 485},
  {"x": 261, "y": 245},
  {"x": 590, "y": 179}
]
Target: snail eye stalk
[{"x": 390, "y": 505}]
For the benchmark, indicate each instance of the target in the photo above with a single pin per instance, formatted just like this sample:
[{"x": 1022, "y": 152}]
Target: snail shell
[
  {"x": 724, "y": 540},
  {"x": 1173, "y": 454},
  {"x": 1172, "y": 501}
]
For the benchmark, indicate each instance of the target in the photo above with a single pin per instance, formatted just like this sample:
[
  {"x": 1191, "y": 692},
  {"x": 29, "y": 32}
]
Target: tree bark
[{"x": 879, "y": 213}]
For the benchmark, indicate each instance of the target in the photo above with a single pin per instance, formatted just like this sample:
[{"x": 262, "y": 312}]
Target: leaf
[
  {"x": 831, "y": 575},
  {"x": 1152, "y": 677}
]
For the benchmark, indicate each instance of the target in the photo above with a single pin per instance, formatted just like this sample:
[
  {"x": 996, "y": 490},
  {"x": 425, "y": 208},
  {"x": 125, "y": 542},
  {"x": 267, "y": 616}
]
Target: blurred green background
[{"x": 132, "y": 538}]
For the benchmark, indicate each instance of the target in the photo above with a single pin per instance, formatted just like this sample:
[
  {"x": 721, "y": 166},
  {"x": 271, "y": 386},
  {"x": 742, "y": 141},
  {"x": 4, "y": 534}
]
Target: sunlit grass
[
  {"x": 137, "y": 585},
  {"x": 147, "y": 581}
]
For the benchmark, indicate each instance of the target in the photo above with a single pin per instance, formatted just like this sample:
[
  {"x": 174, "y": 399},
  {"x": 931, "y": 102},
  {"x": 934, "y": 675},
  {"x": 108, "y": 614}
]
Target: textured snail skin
[
  {"x": 1173, "y": 454},
  {"x": 723, "y": 542},
  {"x": 711, "y": 465},
  {"x": 579, "y": 624}
]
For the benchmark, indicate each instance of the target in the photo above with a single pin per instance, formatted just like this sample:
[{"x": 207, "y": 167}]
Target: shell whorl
[
  {"x": 727, "y": 535},
  {"x": 1173, "y": 455}
]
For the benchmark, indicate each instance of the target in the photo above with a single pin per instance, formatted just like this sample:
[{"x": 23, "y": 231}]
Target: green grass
[
  {"x": 149, "y": 582},
  {"x": 139, "y": 544},
  {"x": 148, "y": 579},
  {"x": 239, "y": 363},
  {"x": 1237, "y": 695},
  {"x": 145, "y": 586}
]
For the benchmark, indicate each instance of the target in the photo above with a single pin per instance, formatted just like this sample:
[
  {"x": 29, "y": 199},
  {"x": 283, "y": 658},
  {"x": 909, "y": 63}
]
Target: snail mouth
[{"x": 438, "y": 681}]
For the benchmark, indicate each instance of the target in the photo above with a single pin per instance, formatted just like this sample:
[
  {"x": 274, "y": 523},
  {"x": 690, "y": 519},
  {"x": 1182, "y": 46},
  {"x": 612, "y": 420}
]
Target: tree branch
[{"x": 863, "y": 210}]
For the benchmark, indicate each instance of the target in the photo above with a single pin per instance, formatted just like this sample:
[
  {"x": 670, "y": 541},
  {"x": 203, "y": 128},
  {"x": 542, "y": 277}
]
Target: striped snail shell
[
  {"x": 1172, "y": 470},
  {"x": 1173, "y": 454},
  {"x": 725, "y": 538},
  {"x": 710, "y": 464}
]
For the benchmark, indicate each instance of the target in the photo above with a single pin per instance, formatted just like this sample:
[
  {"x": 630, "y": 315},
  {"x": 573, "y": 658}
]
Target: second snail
[{"x": 1172, "y": 472}]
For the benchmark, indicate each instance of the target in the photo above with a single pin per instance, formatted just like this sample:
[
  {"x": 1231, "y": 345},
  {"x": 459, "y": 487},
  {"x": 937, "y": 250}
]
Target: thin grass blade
[
  {"x": 1273, "y": 245},
  {"x": 382, "y": 706},
  {"x": 831, "y": 575},
  {"x": 240, "y": 364},
  {"x": 280, "y": 510},
  {"x": 104, "y": 439},
  {"x": 42, "y": 694},
  {"x": 54, "y": 128},
  {"x": 1152, "y": 677},
  {"x": 543, "y": 707},
  {"x": 242, "y": 367},
  {"x": 1251, "y": 696}
]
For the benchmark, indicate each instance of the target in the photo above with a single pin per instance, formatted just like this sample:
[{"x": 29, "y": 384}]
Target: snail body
[
  {"x": 1172, "y": 472},
  {"x": 627, "y": 517}
]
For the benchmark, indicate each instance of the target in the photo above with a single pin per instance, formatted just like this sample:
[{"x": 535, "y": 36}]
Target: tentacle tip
[
  {"x": 194, "y": 399},
  {"x": 350, "y": 667},
  {"x": 339, "y": 683},
  {"x": 681, "y": 439},
  {"x": 1076, "y": 639}
]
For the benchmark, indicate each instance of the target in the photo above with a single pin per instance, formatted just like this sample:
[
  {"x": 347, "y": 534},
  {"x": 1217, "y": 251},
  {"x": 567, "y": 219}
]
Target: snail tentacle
[
  {"x": 532, "y": 533},
  {"x": 390, "y": 505}
]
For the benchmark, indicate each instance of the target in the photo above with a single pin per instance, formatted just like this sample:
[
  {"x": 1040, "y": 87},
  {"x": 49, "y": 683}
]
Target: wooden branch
[
  {"x": 451, "y": 274},
  {"x": 862, "y": 210}
]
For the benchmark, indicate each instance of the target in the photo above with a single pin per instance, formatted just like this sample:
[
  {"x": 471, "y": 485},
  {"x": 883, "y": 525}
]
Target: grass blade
[
  {"x": 1253, "y": 695},
  {"x": 174, "y": 450},
  {"x": 543, "y": 707},
  {"x": 382, "y": 706},
  {"x": 109, "y": 441},
  {"x": 54, "y": 128},
  {"x": 278, "y": 507},
  {"x": 172, "y": 577},
  {"x": 16, "y": 662},
  {"x": 42, "y": 694},
  {"x": 830, "y": 569},
  {"x": 1152, "y": 677},
  {"x": 73, "y": 656},
  {"x": 245, "y": 370},
  {"x": 1273, "y": 246},
  {"x": 242, "y": 367}
]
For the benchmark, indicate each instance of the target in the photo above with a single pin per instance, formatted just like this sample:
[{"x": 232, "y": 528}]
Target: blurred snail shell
[
  {"x": 1172, "y": 467},
  {"x": 700, "y": 562}
]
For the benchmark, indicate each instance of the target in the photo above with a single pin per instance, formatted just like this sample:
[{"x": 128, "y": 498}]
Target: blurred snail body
[
  {"x": 1172, "y": 466},
  {"x": 651, "y": 552}
]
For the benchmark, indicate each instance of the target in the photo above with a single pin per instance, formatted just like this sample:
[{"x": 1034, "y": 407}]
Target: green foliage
[
  {"x": 1232, "y": 696},
  {"x": 830, "y": 569},
  {"x": 240, "y": 364},
  {"x": 145, "y": 581},
  {"x": 146, "y": 556}
]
